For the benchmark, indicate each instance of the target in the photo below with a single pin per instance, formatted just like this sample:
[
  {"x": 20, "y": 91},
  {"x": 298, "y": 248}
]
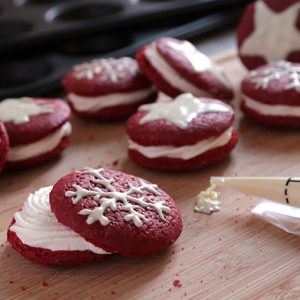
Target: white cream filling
[
  {"x": 42, "y": 146},
  {"x": 170, "y": 75},
  {"x": 93, "y": 104},
  {"x": 36, "y": 226},
  {"x": 271, "y": 109},
  {"x": 184, "y": 152}
]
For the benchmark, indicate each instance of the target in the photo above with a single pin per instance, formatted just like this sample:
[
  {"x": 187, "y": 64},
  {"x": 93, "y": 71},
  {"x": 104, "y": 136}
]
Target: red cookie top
[
  {"x": 275, "y": 83},
  {"x": 184, "y": 121},
  {"x": 269, "y": 31},
  {"x": 30, "y": 119},
  {"x": 4, "y": 144},
  {"x": 194, "y": 66},
  {"x": 105, "y": 76},
  {"x": 116, "y": 211}
]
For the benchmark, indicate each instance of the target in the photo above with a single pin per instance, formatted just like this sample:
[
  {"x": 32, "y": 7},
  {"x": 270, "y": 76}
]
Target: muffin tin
[
  {"x": 38, "y": 68},
  {"x": 27, "y": 23}
]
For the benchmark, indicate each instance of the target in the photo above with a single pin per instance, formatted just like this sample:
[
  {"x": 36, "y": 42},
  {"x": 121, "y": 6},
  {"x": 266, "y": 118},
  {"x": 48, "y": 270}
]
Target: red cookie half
[
  {"x": 4, "y": 145},
  {"x": 38, "y": 129},
  {"x": 116, "y": 211},
  {"x": 36, "y": 234},
  {"x": 269, "y": 31},
  {"x": 271, "y": 94},
  {"x": 186, "y": 134},
  {"x": 176, "y": 67},
  {"x": 107, "y": 89}
]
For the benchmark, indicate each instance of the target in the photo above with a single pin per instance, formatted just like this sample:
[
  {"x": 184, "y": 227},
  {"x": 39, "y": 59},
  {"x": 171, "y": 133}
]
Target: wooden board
[{"x": 228, "y": 255}]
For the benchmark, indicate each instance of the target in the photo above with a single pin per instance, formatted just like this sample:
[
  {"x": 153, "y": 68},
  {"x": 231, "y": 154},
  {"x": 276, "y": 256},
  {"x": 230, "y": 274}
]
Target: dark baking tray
[
  {"x": 28, "y": 23},
  {"x": 38, "y": 74}
]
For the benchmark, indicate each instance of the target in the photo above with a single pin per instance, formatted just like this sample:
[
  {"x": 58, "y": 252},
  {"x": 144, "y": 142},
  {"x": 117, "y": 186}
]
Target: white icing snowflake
[
  {"x": 277, "y": 71},
  {"x": 106, "y": 69},
  {"x": 109, "y": 197}
]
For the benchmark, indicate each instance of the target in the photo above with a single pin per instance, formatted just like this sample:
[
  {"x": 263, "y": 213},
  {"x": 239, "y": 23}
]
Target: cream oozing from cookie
[
  {"x": 271, "y": 109},
  {"x": 20, "y": 110},
  {"x": 94, "y": 104},
  {"x": 42, "y": 146},
  {"x": 181, "y": 111},
  {"x": 36, "y": 226},
  {"x": 183, "y": 152},
  {"x": 200, "y": 63}
]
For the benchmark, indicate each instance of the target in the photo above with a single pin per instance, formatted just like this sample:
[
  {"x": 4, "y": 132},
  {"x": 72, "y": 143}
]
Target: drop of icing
[{"x": 208, "y": 201}]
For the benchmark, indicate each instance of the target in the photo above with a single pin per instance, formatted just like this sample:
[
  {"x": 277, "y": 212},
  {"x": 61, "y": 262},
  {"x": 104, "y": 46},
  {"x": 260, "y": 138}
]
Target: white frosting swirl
[
  {"x": 42, "y": 146},
  {"x": 36, "y": 226},
  {"x": 271, "y": 109},
  {"x": 183, "y": 152},
  {"x": 94, "y": 104},
  {"x": 20, "y": 110}
]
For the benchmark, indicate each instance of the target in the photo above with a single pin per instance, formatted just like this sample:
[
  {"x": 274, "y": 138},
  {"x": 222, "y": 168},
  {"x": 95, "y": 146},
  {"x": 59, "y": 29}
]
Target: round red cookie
[
  {"x": 48, "y": 257},
  {"x": 4, "y": 145},
  {"x": 271, "y": 94},
  {"x": 38, "y": 129},
  {"x": 186, "y": 134},
  {"x": 176, "y": 67},
  {"x": 116, "y": 211},
  {"x": 269, "y": 31},
  {"x": 107, "y": 89}
]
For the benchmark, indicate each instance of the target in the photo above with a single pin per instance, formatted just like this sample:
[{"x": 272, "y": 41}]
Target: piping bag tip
[{"x": 218, "y": 181}]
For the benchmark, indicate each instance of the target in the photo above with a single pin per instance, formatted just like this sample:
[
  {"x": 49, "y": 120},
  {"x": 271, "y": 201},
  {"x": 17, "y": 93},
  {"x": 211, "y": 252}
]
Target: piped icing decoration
[
  {"x": 36, "y": 226},
  {"x": 271, "y": 28},
  {"x": 106, "y": 69},
  {"x": 181, "y": 111},
  {"x": 208, "y": 201},
  {"x": 199, "y": 61},
  {"x": 20, "y": 110},
  {"x": 281, "y": 70},
  {"x": 107, "y": 196}
]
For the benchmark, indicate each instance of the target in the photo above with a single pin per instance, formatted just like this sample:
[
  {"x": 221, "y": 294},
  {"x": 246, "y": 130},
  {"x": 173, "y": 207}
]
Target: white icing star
[
  {"x": 20, "y": 110},
  {"x": 275, "y": 35},
  {"x": 199, "y": 61},
  {"x": 181, "y": 111}
]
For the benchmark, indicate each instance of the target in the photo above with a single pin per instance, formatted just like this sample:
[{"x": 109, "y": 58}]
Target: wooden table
[{"x": 227, "y": 255}]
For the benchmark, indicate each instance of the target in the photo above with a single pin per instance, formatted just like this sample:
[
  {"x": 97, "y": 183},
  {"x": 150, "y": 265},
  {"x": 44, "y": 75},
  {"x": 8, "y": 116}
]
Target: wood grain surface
[{"x": 227, "y": 255}]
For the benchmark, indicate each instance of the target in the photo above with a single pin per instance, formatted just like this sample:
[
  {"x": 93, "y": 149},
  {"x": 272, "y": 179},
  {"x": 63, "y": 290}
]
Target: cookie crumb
[
  {"x": 45, "y": 283},
  {"x": 177, "y": 283}
]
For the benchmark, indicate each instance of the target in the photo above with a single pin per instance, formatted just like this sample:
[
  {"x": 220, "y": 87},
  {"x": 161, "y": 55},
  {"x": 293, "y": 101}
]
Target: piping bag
[{"x": 284, "y": 213}]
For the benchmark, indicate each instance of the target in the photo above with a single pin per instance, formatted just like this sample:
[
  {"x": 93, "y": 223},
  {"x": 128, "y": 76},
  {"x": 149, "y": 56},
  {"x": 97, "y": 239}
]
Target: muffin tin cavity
[
  {"x": 23, "y": 72},
  {"x": 97, "y": 45},
  {"x": 82, "y": 11},
  {"x": 9, "y": 29}
]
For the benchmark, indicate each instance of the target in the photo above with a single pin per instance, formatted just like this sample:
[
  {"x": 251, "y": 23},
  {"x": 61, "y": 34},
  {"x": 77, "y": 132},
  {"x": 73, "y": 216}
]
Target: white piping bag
[{"x": 284, "y": 190}]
